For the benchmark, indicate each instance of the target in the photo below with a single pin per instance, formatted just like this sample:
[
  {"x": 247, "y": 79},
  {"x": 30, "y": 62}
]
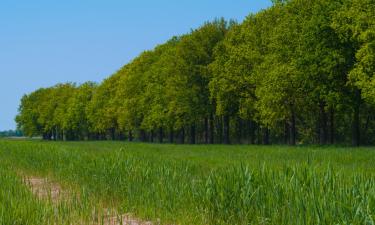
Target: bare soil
[
  {"x": 46, "y": 190},
  {"x": 124, "y": 220}
]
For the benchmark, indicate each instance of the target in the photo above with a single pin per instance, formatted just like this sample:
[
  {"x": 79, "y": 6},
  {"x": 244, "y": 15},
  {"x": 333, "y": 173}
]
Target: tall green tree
[
  {"x": 102, "y": 109},
  {"x": 190, "y": 83},
  {"x": 301, "y": 71},
  {"x": 354, "y": 22},
  {"x": 76, "y": 119}
]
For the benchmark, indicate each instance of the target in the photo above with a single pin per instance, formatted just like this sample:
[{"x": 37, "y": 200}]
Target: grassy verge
[
  {"x": 18, "y": 205},
  {"x": 209, "y": 184}
]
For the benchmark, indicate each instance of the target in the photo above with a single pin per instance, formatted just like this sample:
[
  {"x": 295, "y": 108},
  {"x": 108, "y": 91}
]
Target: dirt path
[
  {"x": 46, "y": 190},
  {"x": 124, "y": 220}
]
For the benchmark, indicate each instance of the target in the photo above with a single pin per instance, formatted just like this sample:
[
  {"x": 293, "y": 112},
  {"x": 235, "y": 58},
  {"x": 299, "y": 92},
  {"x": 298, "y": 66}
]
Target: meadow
[{"x": 188, "y": 184}]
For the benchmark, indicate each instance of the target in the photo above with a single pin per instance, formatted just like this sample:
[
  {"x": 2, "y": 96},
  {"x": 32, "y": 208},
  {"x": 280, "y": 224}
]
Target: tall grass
[
  {"x": 18, "y": 205},
  {"x": 206, "y": 185}
]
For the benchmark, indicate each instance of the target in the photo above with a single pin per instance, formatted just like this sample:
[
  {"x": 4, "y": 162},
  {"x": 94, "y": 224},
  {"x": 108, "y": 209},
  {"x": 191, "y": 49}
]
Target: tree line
[
  {"x": 301, "y": 71},
  {"x": 11, "y": 133}
]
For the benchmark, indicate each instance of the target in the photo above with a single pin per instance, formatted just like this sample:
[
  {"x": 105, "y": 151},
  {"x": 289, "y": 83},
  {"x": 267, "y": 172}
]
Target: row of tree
[
  {"x": 301, "y": 71},
  {"x": 11, "y": 133}
]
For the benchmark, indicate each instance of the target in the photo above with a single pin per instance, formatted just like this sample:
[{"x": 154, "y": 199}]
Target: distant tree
[
  {"x": 297, "y": 72},
  {"x": 102, "y": 109},
  {"x": 354, "y": 23},
  {"x": 195, "y": 53},
  {"x": 322, "y": 63},
  {"x": 130, "y": 99},
  {"x": 11, "y": 133},
  {"x": 75, "y": 119},
  {"x": 156, "y": 114},
  {"x": 63, "y": 93}
]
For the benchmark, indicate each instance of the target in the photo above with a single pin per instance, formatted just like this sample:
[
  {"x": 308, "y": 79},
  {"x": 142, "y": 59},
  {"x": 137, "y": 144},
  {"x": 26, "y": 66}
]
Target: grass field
[{"x": 184, "y": 184}]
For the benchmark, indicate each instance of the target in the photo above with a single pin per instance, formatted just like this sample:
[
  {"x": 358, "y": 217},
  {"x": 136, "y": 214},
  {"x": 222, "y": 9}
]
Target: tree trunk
[
  {"x": 355, "y": 122},
  {"x": 182, "y": 136},
  {"x": 171, "y": 135},
  {"x": 206, "y": 131},
  {"x": 55, "y": 134},
  {"x": 112, "y": 133},
  {"x": 355, "y": 128},
  {"x": 211, "y": 129},
  {"x": 323, "y": 124},
  {"x": 239, "y": 130},
  {"x": 286, "y": 132},
  {"x": 192, "y": 134},
  {"x": 266, "y": 136},
  {"x": 142, "y": 135},
  {"x": 258, "y": 134},
  {"x": 332, "y": 127},
  {"x": 219, "y": 125},
  {"x": 251, "y": 132},
  {"x": 152, "y": 136},
  {"x": 130, "y": 136},
  {"x": 161, "y": 135},
  {"x": 226, "y": 128},
  {"x": 61, "y": 135},
  {"x": 293, "y": 131}
]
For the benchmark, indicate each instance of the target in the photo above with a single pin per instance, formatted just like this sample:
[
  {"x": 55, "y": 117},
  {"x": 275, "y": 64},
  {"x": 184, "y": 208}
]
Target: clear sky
[{"x": 44, "y": 42}]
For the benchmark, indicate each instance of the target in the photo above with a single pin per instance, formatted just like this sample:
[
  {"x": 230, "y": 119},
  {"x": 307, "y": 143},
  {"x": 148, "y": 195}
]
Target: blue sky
[{"x": 44, "y": 42}]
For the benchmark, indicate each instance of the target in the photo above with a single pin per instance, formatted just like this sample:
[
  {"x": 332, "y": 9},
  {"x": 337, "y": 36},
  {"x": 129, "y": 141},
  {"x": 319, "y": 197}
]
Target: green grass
[
  {"x": 18, "y": 205},
  {"x": 183, "y": 184}
]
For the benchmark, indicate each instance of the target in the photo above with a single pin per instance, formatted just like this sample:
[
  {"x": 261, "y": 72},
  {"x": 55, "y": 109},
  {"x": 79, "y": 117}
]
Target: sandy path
[{"x": 46, "y": 190}]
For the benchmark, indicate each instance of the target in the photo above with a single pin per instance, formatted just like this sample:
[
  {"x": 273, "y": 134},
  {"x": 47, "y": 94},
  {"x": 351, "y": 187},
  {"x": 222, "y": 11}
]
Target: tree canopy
[{"x": 301, "y": 71}]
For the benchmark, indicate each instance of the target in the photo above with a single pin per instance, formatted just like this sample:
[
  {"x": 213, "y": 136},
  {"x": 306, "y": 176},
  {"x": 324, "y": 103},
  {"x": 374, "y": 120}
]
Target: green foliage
[
  {"x": 102, "y": 109},
  {"x": 301, "y": 71},
  {"x": 76, "y": 118},
  {"x": 19, "y": 206},
  {"x": 359, "y": 17}
]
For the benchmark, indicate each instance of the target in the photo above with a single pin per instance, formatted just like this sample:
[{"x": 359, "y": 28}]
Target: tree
[
  {"x": 130, "y": 93},
  {"x": 29, "y": 111},
  {"x": 354, "y": 22},
  {"x": 102, "y": 109},
  {"x": 62, "y": 93},
  {"x": 298, "y": 72},
  {"x": 75, "y": 119},
  {"x": 189, "y": 85}
]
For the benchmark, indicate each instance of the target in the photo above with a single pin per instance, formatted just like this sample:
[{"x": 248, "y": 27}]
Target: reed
[{"x": 174, "y": 184}]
